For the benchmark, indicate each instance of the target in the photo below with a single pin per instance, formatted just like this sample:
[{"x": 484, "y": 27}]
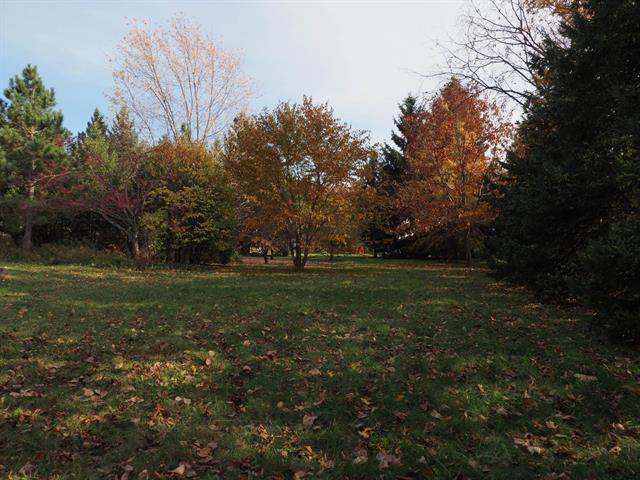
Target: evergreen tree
[
  {"x": 386, "y": 173},
  {"x": 33, "y": 140},
  {"x": 97, "y": 122},
  {"x": 122, "y": 134},
  {"x": 394, "y": 162},
  {"x": 570, "y": 217}
]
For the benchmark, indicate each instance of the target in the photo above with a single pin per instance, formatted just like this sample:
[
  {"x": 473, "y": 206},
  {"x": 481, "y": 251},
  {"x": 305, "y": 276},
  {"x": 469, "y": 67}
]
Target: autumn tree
[
  {"x": 454, "y": 150},
  {"x": 177, "y": 81},
  {"x": 32, "y": 140},
  {"x": 267, "y": 237},
  {"x": 291, "y": 167},
  {"x": 191, "y": 215},
  {"x": 343, "y": 232},
  {"x": 115, "y": 179}
]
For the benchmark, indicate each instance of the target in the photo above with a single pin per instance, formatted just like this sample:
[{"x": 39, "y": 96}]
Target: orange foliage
[
  {"x": 454, "y": 148},
  {"x": 294, "y": 169}
]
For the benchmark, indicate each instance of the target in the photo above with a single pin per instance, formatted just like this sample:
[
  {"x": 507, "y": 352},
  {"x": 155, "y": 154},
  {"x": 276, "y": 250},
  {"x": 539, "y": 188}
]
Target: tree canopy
[{"x": 293, "y": 167}]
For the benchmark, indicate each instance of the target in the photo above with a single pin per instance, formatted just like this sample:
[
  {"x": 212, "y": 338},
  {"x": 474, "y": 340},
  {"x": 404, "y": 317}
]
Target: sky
[{"x": 362, "y": 57}]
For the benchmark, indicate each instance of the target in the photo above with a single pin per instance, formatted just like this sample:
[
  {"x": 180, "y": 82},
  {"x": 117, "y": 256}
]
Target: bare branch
[
  {"x": 501, "y": 39},
  {"x": 177, "y": 81}
]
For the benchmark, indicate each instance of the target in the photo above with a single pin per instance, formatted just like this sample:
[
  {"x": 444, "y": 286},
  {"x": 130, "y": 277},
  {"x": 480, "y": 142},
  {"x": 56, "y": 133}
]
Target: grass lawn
[{"x": 359, "y": 369}]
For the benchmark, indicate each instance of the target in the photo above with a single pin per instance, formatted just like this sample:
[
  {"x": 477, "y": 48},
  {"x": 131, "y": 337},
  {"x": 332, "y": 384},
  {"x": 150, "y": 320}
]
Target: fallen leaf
[
  {"x": 204, "y": 452},
  {"x": 361, "y": 456},
  {"x": 184, "y": 470},
  {"x": 386, "y": 459},
  {"x": 615, "y": 451},
  {"x": 535, "y": 450},
  {"x": 585, "y": 378},
  {"x": 308, "y": 420}
]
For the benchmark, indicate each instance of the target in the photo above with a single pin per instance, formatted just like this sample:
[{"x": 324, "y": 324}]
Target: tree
[
  {"x": 501, "y": 40},
  {"x": 292, "y": 166},
  {"x": 454, "y": 149},
  {"x": 191, "y": 215},
  {"x": 569, "y": 207},
  {"x": 177, "y": 81},
  {"x": 116, "y": 179},
  {"x": 385, "y": 175},
  {"x": 97, "y": 121},
  {"x": 343, "y": 231},
  {"x": 394, "y": 162},
  {"x": 33, "y": 141}
]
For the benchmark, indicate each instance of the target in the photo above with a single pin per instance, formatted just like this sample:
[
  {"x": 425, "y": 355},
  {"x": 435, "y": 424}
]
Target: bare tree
[
  {"x": 177, "y": 81},
  {"x": 501, "y": 39}
]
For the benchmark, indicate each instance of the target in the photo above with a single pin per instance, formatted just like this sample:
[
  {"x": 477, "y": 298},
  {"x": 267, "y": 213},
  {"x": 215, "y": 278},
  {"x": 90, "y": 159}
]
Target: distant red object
[{"x": 360, "y": 250}]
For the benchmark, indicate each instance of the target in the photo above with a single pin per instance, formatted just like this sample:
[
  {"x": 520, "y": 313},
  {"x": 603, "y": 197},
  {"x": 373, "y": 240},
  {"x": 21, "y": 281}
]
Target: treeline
[
  {"x": 105, "y": 188},
  {"x": 182, "y": 174}
]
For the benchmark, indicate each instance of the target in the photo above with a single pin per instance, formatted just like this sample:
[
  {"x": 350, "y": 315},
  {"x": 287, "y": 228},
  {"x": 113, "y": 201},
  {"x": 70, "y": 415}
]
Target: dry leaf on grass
[
  {"x": 386, "y": 459},
  {"x": 308, "y": 420}
]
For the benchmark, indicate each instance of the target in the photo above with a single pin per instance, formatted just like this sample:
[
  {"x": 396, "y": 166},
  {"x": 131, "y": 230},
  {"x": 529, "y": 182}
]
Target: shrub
[{"x": 55, "y": 254}]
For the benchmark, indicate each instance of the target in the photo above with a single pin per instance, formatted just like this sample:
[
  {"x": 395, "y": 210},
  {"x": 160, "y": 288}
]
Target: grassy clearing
[{"x": 357, "y": 369}]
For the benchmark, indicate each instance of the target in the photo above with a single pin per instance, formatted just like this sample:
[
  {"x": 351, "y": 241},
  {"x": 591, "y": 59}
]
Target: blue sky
[{"x": 361, "y": 57}]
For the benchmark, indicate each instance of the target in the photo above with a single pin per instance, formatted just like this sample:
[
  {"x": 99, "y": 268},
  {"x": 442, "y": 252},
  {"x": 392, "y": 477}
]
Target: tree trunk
[
  {"x": 135, "y": 246},
  {"x": 265, "y": 255},
  {"x": 27, "y": 242},
  {"x": 298, "y": 263},
  {"x": 184, "y": 255},
  {"x": 467, "y": 247},
  {"x": 375, "y": 252},
  {"x": 331, "y": 256}
]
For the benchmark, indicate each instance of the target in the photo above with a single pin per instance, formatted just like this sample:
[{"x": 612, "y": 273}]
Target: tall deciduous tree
[
  {"x": 455, "y": 147},
  {"x": 292, "y": 166},
  {"x": 178, "y": 81},
  {"x": 500, "y": 41},
  {"x": 33, "y": 141}
]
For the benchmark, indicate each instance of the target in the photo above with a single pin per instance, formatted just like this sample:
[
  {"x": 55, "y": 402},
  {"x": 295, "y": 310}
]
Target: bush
[{"x": 54, "y": 254}]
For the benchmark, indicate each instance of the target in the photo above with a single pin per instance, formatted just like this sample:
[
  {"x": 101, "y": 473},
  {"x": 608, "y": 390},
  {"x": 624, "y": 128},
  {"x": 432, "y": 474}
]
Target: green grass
[{"x": 413, "y": 370}]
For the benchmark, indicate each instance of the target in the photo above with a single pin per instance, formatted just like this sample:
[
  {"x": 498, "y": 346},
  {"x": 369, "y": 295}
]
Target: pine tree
[
  {"x": 386, "y": 173},
  {"x": 570, "y": 216},
  {"x": 122, "y": 134},
  {"x": 97, "y": 123},
  {"x": 394, "y": 162},
  {"x": 33, "y": 139},
  {"x": 115, "y": 178}
]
